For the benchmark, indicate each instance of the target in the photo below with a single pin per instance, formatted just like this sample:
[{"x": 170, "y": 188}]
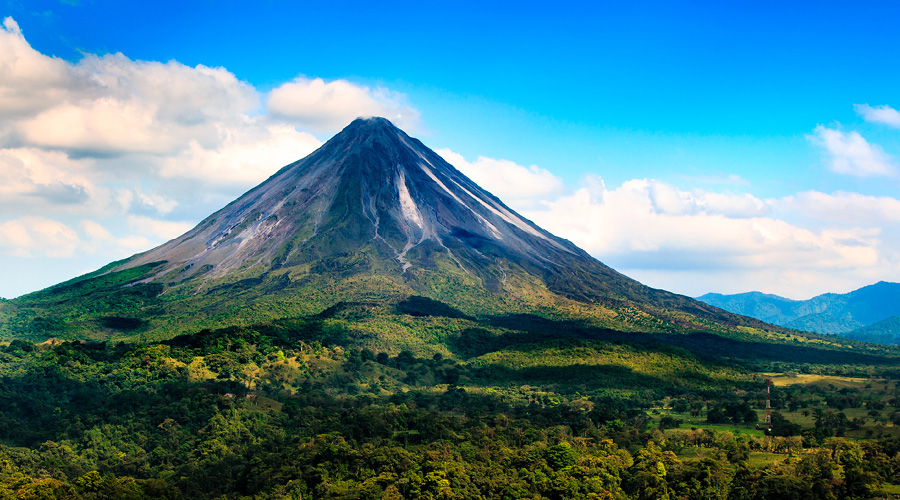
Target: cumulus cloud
[
  {"x": 242, "y": 159},
  {"x": 696, "y": 241},
  {"x": 32, "y": 179},
  {"x": 520, "y": 187},
  {"x": 37, "y": 236},
  {"x": 850, "y": 154},
  {"x": 30, "y": 81},
  {"x": 879, "y": 114},
  {"x": 645, "y": 215},
  {"x": 849, "y": 208},
  {"x": 139, "y": 107},
  {"x": 135, "y": 148},
  {"x": 670, "y": 200},
  {"x": 319, "y": 105}
]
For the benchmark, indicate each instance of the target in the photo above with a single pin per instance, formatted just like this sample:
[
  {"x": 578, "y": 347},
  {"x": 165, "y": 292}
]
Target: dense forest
[{"x": 301, "y": 409}]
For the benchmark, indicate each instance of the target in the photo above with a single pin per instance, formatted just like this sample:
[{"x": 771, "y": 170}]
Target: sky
[{"x": 695, "y": 146}]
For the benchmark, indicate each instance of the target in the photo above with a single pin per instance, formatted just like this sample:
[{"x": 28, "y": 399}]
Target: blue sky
[{"x": 698, "y": 146}]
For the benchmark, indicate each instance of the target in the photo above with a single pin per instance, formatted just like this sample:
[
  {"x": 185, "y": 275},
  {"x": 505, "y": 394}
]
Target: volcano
[
  {"x": 374, "y": 189},
  {"x": 372, "y": 216}
]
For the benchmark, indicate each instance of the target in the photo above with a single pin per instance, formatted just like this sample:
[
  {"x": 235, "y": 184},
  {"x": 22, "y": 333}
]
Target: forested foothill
[{"x": 316, "y": 408}]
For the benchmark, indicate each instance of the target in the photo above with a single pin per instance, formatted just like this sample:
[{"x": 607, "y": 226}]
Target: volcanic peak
[
  {"x": 370, "y": 186},
  {"x": 374, "y": 215}
]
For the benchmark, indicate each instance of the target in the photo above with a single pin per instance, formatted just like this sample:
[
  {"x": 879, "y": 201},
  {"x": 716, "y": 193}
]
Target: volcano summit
[
  {"x": 371, "y": 188},
  {"x": 373, "y": 217}
]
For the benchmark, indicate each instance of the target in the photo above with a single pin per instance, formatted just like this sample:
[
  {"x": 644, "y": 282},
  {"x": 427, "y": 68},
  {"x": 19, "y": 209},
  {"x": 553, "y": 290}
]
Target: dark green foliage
[
  {"x": 272, "y": 411},
  {"x": 561, "y": 455},
  {"x": 129, "y": 421},
  {"x": 782, "y": 426},
  {"x": 120, "y": 323},
  {"x": 322, "y": 406},
  {"x": 734, "y": 412},
  {"x": 416, "y": 305},
  {"x": 669, "y": 422}
]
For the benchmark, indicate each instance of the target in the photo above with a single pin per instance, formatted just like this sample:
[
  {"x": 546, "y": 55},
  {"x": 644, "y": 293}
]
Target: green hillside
[
  {"x": 421, "y": 401},
  {"x": 124, "y": 305},
  {"x": 883, "y": 332}
]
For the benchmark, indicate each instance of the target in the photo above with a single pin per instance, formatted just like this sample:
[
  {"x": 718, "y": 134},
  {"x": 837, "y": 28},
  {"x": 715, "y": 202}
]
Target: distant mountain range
[{"x": 869, "y": 314}]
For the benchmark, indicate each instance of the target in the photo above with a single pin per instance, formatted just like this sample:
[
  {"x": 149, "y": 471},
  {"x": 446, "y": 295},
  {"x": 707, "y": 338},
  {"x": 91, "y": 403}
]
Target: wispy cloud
[
  {"x": 849, "y": 153},
  {"x": 879, "y": 114}
]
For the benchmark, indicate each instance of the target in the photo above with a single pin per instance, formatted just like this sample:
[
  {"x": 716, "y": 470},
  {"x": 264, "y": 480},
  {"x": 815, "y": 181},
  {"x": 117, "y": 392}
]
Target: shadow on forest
[
  {"x": 707, "y": 346},
  {"x": 583, "y": 376}
]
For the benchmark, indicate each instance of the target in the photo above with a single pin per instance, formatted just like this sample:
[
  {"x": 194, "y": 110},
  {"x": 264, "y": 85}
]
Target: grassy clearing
[
  {"x": 734, "y": 429},
  {"x": 694, "y": 453},
  {"x": 689, "y": 422},
  {"x": 763, "y": 458},
  {"x": 889, "y": 489},
  {"x": 787, "y": 379}
]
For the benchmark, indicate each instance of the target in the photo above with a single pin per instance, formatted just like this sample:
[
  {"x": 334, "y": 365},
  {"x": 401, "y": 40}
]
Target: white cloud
[
  {"x": 139, "y": 107},
  {"x": 99, "y": 240},
  {"x": 850, "y": 154},
  {"x": 95, "y": 231},
  {"x": 518, "y": 186},
  {"x": 127, "y": 143},
  {"x": 37, "y": 237},
  {"x": 848, "y": 208},
  {"x": 654, "y": 231},
  {"x": 32, "y": 178},
  {"x": 158, "y": 229},
  {"x": 245, "y": 157},
  {"x": 319, "y": 105},
  {"x": 879, "y": 114},
  {"x": 41, "y": 237},
  {"x": 30, "y": 81},
  {"x": 670, "y": 200},
  {"x": 649, "y": 216},
  {"x": 156, "y": 202}
]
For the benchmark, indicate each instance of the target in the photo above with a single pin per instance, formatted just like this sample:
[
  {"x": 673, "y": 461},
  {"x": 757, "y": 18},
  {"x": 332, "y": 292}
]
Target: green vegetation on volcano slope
[
  {"x": 510, "y": 406},
  {"x": 141, "y": 304}
]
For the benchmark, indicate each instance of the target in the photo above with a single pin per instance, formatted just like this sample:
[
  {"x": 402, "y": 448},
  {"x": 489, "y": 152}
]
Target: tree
[{"x": 782, "y": 426}]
